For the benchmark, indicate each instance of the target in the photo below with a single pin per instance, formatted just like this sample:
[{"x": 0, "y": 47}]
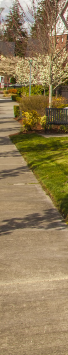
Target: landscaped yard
[{"x": 48, "y": 159}]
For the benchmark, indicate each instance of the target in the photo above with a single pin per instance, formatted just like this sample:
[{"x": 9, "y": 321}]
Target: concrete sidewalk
[{"x": 33, "y": 257}]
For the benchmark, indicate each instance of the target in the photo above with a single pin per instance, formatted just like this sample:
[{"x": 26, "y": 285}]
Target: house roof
[
  {"x": 32, "y": 47},
  {"x": 62, "y": 19},
  {"x": 7, "y": 48}
]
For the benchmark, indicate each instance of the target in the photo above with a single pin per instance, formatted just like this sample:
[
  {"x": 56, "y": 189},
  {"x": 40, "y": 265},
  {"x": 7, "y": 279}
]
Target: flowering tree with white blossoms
[
  {"x": 40, "y": 69},
  {"x": 44, "y": 28},
  {"x": 20, "y": 69},
  {"x": 50, "y": 68}
]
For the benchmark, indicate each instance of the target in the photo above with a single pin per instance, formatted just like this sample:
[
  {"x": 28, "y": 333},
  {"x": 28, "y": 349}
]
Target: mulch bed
[{"x": 39, "y": 129}]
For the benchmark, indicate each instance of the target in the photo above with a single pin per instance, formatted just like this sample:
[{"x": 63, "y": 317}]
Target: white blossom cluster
[
  {"x": 40, "y": 68},
  {"x": 7, "y": 66}
]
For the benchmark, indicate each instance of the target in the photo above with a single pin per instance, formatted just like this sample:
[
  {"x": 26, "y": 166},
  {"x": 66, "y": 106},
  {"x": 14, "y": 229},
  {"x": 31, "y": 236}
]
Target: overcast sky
[
  {"x": 6, "y": 4},
  {"x": 24, "y": 3}
]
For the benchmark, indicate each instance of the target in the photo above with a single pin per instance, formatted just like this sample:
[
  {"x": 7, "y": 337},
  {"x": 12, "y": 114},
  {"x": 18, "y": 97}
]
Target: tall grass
[
  {"x": 35, "y": 102},
  {"x": 40, "y": 102}
]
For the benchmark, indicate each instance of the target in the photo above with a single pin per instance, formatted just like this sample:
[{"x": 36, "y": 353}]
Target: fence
[{"x": 57, "y": 116}]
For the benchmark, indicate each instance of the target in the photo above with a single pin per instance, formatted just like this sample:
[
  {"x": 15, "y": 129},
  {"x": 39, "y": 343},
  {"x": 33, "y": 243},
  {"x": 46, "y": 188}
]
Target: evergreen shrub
[
  {"x": 19, "y": 92},
  {"x": 13, "y": 80},
  {"x": 35, "y": 90},
  {"x": 14, "y": 97},
  {"x": 16, "y": 111}
]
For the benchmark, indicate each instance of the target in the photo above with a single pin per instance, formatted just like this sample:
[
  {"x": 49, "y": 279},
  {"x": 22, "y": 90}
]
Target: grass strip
[{"x": 48, "y": 159}]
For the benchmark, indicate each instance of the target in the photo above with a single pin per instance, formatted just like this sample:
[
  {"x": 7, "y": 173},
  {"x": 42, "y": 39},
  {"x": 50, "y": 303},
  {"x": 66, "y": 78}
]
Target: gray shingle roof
[{"x": 7, "y": 48}]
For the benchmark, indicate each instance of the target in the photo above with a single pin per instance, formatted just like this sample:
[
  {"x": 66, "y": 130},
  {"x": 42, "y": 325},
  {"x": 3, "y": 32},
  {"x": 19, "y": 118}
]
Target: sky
[
  {"x": 6, "y": 4},
  {"x": 25, "y": 3}
]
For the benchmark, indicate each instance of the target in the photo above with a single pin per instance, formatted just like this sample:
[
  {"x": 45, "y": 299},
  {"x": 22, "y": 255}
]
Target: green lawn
[{"x": 48, "y": 159}]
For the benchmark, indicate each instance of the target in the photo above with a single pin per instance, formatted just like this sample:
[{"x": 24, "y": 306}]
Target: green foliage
[
  {"x": 30, "y": 120},
  {"x": 18, "y": 99},
  {"x": 13, "y": 80},
  {"x": 65, "y": 83},
  {"x": 59, "y": 102},
  {"x": 14, "y": 97},
  {"x": 19, "y": 92},
  {"x": 47, "y": 91},
  {"x": 35, "y": 90},
  {"x": 14, "y": 28},
  {"x": 25, "y": 90},
  {"x": 64, "y": 128},
  {"x": 48, "y": 159},
  {"x": 16, "y": 111},
  {"x": 43, "y": 122}
]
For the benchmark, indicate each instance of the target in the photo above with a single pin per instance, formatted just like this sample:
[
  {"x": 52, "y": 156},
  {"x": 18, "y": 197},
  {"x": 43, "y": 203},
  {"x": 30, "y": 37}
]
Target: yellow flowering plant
[
  {"x": 30, "y": 120},
  {"x": 43, "y": 121},
  {"x": 59, "y": 102}
]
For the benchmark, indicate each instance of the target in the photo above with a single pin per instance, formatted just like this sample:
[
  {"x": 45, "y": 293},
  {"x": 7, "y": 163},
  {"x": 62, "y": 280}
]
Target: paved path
[{"x": 33, "y": 258}]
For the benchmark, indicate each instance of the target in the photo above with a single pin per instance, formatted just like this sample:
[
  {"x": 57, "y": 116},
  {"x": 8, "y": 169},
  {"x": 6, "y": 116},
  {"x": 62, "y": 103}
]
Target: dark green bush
[
  {"x": 14, "y": 97},
  {"x": 16, "y": 111},
  {"x": 35, "y": 90},
  {"x": 19, "y": 91},
  {"x": 64, "y": 128},
  {"x": 13, "y": 80},
  {"x": 18, "y": 98}
]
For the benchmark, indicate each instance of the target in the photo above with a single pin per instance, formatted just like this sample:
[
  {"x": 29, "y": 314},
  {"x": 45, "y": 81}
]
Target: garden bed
[{"x": 55, "y": 129}]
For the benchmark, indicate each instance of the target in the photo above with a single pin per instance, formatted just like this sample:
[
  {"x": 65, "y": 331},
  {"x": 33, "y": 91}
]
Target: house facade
[
  {"x": 62, "y": 37},
  {"x": 7, "y": 49}
]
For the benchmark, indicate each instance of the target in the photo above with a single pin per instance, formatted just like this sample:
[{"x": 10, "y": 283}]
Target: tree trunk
[
  {"x": 56, "y": 93},
  {"x": 7, "y": 82},
  {"x": 50, "y": 83},
  {"x": 55, "y": 23},
  {"x": 50, "y": 95},
  {"x": 50, "y": 74},
  {"x": 30, "y": 79}
]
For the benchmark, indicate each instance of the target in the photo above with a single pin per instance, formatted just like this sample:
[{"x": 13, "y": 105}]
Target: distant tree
[
  {"x": 45, "y": 17},
  {"x": 44, "y": 28},
  {"x": 13, "y": 80},
  {"x": 14, "y": 28},
  {"x": 1, "y": 23}
]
